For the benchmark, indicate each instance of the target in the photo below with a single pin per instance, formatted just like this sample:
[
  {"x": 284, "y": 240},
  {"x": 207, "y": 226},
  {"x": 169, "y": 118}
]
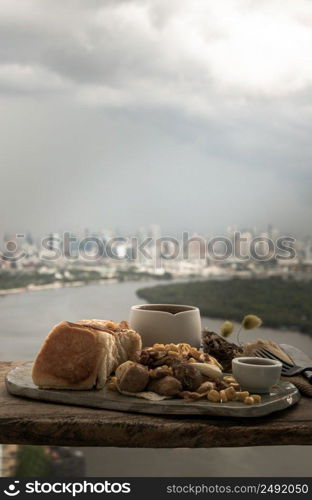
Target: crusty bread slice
[
  {"x": 82, "y": 355},
  {"x": 127, "y": 345},
  {"x": 69, "y": 358}
]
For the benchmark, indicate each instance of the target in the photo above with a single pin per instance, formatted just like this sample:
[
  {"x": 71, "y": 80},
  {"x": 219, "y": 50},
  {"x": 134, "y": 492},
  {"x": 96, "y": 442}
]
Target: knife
[{"x": 299, "y": 358}]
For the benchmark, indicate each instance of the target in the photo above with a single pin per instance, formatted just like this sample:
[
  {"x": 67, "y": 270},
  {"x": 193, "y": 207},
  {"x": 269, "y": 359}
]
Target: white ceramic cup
[
  {"x": 256, "y": 375},
  {"x": 166, "y": 323}
]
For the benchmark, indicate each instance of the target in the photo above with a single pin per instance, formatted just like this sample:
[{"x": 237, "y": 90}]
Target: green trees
[
  {"x": 280, "y": 303},
  {"x": 32, "y": 461}
]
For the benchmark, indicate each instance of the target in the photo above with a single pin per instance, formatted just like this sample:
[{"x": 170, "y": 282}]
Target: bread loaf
[{"x": 80, "y": 356}]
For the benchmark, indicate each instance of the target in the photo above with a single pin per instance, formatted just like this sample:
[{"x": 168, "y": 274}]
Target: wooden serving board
[{"x": 19, "y": 383}]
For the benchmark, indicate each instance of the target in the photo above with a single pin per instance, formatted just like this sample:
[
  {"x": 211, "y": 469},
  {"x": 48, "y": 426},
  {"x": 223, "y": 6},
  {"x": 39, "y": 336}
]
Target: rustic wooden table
[{"x": 24, "y": 421}]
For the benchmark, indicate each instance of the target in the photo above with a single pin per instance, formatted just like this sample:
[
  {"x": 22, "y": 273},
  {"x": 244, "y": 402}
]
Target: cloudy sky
[{"x": 195, "y": 115}]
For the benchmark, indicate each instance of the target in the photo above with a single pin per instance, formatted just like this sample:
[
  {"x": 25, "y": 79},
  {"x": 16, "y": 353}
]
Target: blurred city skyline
[
  {"x": 154, "y": 230},
  {"x": 193, "y": 115}
]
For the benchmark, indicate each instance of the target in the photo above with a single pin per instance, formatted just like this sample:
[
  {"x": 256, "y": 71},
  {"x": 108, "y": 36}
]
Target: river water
[{"x": 25, "y": 320}]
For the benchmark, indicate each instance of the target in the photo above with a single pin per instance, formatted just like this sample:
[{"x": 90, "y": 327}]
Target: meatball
[
  {"x": 189, "y": 376},
  {"x": 166, "y": 386},
  {"x": 132, "y": 377}
]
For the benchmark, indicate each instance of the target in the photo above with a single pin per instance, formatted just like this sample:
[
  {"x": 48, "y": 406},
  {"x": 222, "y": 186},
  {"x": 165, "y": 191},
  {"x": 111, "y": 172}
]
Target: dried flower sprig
[
  {"x": 227, "y": 328},
  {"x": 249, "y": 322}
]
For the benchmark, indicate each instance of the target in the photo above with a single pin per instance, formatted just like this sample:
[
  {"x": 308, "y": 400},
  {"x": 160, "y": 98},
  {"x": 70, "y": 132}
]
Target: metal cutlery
[{"x": 288, "y": 369}]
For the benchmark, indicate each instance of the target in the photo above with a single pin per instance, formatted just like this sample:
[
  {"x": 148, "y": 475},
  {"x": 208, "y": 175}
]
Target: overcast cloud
[{"x": 192, "y": 114}]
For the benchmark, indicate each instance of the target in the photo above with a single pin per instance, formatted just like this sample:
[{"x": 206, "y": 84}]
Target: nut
[
  {"x": 223, "y": 396},
  {"x": 171, "y": 347},
  {"x": 249, "y": 400},
  {"x": 230, "y": 393},
  {"x": 256, "y": 397},
  {"x": 229, "y": 379},
  {"x": 184, "y": 349},
  {"x": 235, "y": 385},
  {"x": 242, "y": 395},
  {"x": 173, "y": 353},
  {"x": 213, "y": 396},
  {"x": 205, "y": 387},
  {"x": 195, "y": 353}
]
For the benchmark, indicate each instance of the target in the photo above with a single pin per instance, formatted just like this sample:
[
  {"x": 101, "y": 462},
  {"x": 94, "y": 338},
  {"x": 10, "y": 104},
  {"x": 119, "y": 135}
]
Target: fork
[{"x": 288, "y": 369}]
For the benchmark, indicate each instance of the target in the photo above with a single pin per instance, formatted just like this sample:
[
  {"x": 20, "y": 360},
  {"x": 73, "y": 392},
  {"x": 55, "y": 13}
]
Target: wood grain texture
[{"x": 24, "y": 421}]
